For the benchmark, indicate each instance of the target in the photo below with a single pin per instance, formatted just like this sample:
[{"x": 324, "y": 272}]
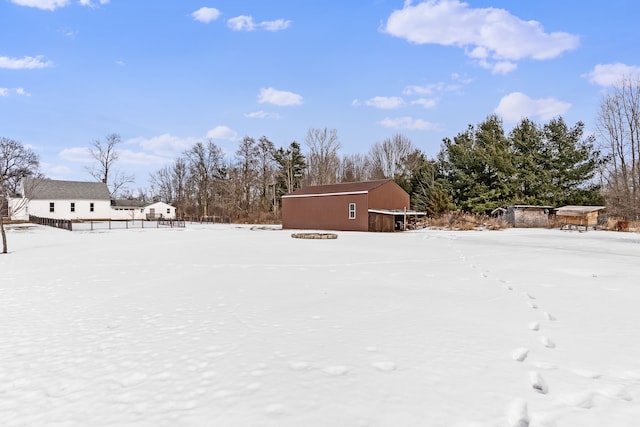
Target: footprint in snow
[
  {"x": 617, "y": 392},
  {"x": 275, "y": 409},
  {"x": 519, "y": 354},
  {"x": 538, "y": 383},
  {"x": 534, "y": 326},
  {"x": 132, "y": 379},
  {"x": 518, "y": 414},
  {"x": 528, "y": 295},
  {"x": 532, "y": 305},
  {"x": 384, "y": 366},
  {"x": 336, "y": 371},
  {"x": 299, "y": 365},
  {"x": 587, "y": 373},
  {"x": 580, "y": 400},
  {"x": 549, "y": 316},
  {"x": 546, "y": 341}
]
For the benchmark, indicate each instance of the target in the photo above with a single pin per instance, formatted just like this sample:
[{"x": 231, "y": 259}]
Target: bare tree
[
  {"x": 392, "y": 158},
  {"x": 619, "y": 131},
  {"x": 247, "y": 157},
  {"x": 16, "y": 163},
  {"x": 354, "y": 168},
  {"x": 266, "y": 169},
  {"x": 323, "y": 161},
  {"x": 205, "y": 166},
  {"x": 106, "y": 155}
]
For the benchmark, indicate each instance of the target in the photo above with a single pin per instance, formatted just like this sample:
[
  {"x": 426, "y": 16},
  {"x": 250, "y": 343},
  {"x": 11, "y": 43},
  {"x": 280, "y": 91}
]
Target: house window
[
  {"x": 352, "y": 211},
  {"x": 91, "y": 207},
  {"x": 73, "y": 206},
  {"x": 52, "y": 207},
  {"x": 168, "y": 211}
]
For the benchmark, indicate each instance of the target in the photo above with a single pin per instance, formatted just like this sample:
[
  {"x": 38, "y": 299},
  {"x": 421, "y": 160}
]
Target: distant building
[
  {"x": 579, "y": 216},
  {"x": 78, "y": 200},
  {"x": 380, "y": 205},
  {"x": 525, "y": 216}
]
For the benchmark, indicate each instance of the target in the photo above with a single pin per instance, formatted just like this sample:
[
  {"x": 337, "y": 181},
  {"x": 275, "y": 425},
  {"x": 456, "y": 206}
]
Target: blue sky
[{"x": 166, "y": 74}]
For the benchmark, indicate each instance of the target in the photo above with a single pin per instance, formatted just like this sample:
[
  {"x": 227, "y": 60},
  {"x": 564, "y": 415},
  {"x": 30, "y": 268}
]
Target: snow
[{"x": 244, "y": 326}]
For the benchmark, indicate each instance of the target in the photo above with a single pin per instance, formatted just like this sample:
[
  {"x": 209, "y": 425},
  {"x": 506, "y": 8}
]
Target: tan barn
[
  {"x": 579, "y": 216},
  {"x": 380, "y": 205}
]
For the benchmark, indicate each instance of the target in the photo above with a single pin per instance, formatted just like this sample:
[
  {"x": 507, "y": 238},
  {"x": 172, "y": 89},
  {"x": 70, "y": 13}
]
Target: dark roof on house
[
  {"x": 50, "y": 189},
  {"x": 342, "y": 188}
]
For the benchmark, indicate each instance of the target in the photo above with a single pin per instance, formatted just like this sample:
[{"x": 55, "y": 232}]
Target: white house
[
  {"x": 48, "y": 198},
  {"x": 135, "y": 209},
  {"x": 76, "y": 200}
]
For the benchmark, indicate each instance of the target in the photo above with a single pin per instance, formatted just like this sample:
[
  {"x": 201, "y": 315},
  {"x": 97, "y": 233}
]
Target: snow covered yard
[{"x": 234, "y": 326}]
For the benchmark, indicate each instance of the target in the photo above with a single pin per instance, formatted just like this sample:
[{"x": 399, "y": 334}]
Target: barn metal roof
[
  {"x": 50, "y": 189},
  {"x": 362, "y": 187}
]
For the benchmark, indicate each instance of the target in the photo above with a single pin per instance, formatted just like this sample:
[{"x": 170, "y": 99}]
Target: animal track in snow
[
  {"x": 549, "y": 316},
  {"x": 538, "y": 383},
  {"x": 534, "y": 326},
  {"x": 528, "y": 295},
  {"x": 532, "y": 304}
]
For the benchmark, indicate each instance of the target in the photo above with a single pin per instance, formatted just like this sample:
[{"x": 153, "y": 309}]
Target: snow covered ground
[{"x": 225, "y": 325}]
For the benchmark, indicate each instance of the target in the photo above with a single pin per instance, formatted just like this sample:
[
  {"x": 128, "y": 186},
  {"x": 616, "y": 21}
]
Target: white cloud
[
  {"x": 206, "y": 14},
  {"x": 140, "y": 158},
  {"x": 278, "y": 97},
  {"x": 76, "y": 154},
  {"x": 491, "y": 36},
  {"x": 610, "y": 74},
  {"x": 42, "y": 4},
  {"x": 425, "y": 102},
  {"x": 382, "y": 102},
  {"x": 163, "y": 145},
  {"x": 277, "y": 25},
  {"x": 246, "y": 23},
  {"x": 516, "y": 105},
  {"x": 27, "y": 62},
  {"x": 56, "y": 172},
  {"x": 407, "y": 123},
  {"x": 262, "y": 115},
  {"x": 55, "y": 4},
  {"x": 68, "y": 32},
  {"x": 91, "y": 3},
  {"x": 241, "y": 23},
  {"x": 5, "y": 91},
  {"x": 428, "y": 89},
  {"x": 223, "y": 132}
]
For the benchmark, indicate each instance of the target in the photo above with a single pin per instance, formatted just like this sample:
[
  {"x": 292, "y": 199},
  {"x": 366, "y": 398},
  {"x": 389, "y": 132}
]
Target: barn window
[
  {"x": 73, "y": 206},
  {"x": 91, "y": 207},
  {"x": 352, "y": 211},
  {"x": 52, "y": 207}
]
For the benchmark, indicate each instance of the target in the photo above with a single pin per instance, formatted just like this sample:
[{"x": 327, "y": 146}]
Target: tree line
[
  {"x": 480, "y": 169},
  {"x": 477, "y": 170}
]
